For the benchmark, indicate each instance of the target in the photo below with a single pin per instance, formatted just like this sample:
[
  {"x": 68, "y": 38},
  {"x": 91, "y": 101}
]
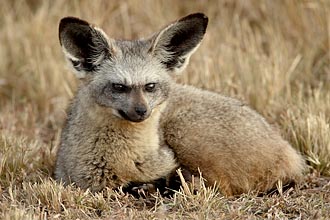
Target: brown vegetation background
[{"x": 274, "y": 55}]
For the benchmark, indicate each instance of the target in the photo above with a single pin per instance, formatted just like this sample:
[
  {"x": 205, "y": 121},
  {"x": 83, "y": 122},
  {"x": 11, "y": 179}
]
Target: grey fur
[{"x": 112, "y": 138}]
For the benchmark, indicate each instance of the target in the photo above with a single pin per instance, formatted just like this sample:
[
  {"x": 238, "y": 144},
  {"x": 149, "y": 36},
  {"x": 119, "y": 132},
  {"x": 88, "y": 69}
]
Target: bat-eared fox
[{"x": 130, "y": 122}]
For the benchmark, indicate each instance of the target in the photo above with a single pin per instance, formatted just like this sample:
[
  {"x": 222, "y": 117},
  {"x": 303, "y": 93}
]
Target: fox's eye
[
  {"x": 120, "y": 88},
  {"x": 150, "y": 87}
]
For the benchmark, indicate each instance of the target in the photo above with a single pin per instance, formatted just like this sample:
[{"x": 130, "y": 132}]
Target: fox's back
[{"x": 228, "y": 141}]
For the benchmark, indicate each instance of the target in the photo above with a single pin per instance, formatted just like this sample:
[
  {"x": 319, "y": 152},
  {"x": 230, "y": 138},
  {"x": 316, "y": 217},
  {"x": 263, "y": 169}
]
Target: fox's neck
[{"x": 144, "y": 135}]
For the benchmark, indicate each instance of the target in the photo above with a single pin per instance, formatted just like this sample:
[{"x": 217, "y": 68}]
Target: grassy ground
[{"x": 275, "y": 55}]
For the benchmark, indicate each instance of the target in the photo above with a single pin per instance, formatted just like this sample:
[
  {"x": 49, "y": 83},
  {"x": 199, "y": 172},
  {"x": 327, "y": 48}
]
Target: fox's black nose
[{"x": 141, "y": 111}]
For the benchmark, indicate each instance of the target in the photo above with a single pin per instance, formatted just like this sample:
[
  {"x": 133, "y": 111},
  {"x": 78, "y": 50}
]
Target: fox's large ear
[
  {"x": 174, "y": 44},
  {"x": 84, "y": 46}
]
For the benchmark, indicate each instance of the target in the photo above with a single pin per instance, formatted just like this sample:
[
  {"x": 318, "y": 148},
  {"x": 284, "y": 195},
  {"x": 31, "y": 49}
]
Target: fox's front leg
[
  {"x": 155, "y": 166},
  {"x": 154, "y": 173}
]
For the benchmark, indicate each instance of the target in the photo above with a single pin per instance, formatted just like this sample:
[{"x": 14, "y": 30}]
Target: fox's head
[{"x": 131, "y": 78}]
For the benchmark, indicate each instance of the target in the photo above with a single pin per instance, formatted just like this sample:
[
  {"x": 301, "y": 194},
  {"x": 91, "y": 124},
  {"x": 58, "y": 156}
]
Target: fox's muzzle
[{"x": 136, "y": 114}]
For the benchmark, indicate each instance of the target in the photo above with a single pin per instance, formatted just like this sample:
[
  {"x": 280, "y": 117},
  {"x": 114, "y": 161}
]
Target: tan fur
[
  {"x": 111, "y": 152},
  {"x": 231, "y": 144},
  {"x": 108, "y": 142}
]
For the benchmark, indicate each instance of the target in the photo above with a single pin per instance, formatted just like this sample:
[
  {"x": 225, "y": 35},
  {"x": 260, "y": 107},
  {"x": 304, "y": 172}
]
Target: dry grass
[{"x": 275, "y": 55}]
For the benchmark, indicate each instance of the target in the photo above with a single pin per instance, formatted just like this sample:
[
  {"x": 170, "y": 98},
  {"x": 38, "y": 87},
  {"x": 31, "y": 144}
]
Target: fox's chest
[
  {"x": 117, "y": 155},
  {"x": 114, "y": 143}
]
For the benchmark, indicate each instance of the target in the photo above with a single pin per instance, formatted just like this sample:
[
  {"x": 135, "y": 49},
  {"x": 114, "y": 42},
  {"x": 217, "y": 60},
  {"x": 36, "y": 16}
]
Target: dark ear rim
[
  {"x": 84, "y": 45},
  {"x": 176, "y": 42},
  {"x": 198, "y": 15},
  {"x": 64, "y": 22}
]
